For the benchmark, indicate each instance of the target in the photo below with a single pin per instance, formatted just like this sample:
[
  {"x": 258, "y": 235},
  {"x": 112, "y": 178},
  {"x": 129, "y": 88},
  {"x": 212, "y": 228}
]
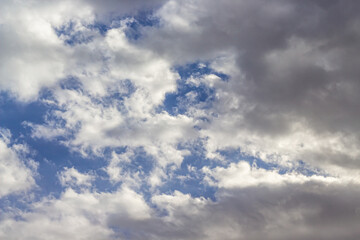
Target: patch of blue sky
[
  {"x": 197, "y": 159},
  {"x": 136, "y": 24},
  {"x": 140, "y": 162},
  {"x": 71, "y": 36},
  {"x": 71, "y": 83},
  {"x": 305, "y": 169},
  {"x": 52, "y": 156},
  {"x": 198, "y": 69},
  {"x": 116, "y": 95},
  {"x": 236, "y": 155},
  {"x": 100, "y": 27},
  {"x": 189, "y": 183},
  {"x": 188, "y": 94},
  {"x": 11, "y": 203},
  {"x": 95, "y": 165},
  {"x": 52, "y": 159},
  {"x": 13, "y": 113},
  {"x": 12, "y": 116},
  {"x": 188, "y": 179},
  {"x": 57, "y": 157},
  {"x": 114, "y": 98}
]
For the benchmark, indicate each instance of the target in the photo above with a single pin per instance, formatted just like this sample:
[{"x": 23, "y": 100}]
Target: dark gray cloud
[
  {"x": 296, "y": 211},
  {"x": 258, "y": 28},
  {"x": 297, "y": 61}
]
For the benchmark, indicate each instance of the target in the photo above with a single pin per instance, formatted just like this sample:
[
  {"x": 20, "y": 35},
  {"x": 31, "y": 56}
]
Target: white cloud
[
  {"x": 75, "y": 215},
  {"x": 17, "y": 173},
  {"x": 34, "y": 57},
  {"x": 115, "y": 171},
  {"x": 72, "y": 177},
  {"x": 96, "y": 125},
  {"x": 242, "y": 175}
]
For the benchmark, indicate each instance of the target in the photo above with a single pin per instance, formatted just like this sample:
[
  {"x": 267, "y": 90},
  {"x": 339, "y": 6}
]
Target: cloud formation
[
  {"x": 17, "y": 172},
  {"x": 187, "y": 119},
  {"x": 292, "y": 74}
]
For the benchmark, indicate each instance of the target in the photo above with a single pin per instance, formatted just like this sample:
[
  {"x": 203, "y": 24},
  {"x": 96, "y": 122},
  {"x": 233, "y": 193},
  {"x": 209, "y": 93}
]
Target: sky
[{"x": 192, "y": 119}]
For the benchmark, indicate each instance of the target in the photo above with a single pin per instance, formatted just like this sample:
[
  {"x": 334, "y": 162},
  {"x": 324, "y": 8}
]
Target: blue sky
[{"x": 167, "y": 119}]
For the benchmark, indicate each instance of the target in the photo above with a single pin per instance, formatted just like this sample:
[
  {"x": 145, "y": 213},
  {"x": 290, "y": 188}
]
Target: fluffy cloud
[
  {"x": 118, "y": 106},
  {"x": 75, "y": 215},
  {"x": 72, "y": 177},
  {"x": 17, "y": 173},
  {"x": 34, "y": 55}
]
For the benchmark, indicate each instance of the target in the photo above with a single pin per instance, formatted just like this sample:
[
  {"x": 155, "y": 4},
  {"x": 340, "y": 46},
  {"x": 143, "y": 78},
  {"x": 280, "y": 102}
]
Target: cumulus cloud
[
  {"x": 95, "y": 126},
  {"x": 17, "y": 173},
  {"x": 34, "y": 56},
  {"x": 75, "y": 215},
  {"x": 72, "y": 177}
]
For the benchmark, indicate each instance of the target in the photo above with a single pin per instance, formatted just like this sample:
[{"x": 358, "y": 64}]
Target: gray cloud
[
  {"x": 314, "y": 210},
  {"x": 296, "y": 63},
  {"x": 298, "y": 82},
  {"x": 292, "y": 95},
  {"x": 309, "y": 211}
]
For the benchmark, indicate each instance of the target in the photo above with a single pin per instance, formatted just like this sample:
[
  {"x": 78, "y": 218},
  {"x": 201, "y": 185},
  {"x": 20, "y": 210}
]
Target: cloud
[
  {"x": 301, "y": 211},
  {"x": 75, "y": 215},
  {"x": 91, "y": 126},
  {"x": 242, "y": 175},
  {"x": 71, "y": 177},
  {"x": 17, "y": 173},
  {"x": 283, "y": 80},
  {"x": 292, "y": 81},
  {"x": 34, "y": 55}
]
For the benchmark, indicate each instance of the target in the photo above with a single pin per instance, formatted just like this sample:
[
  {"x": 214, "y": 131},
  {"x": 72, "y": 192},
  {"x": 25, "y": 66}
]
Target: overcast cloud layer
[{"x": 192, "y": 119}]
